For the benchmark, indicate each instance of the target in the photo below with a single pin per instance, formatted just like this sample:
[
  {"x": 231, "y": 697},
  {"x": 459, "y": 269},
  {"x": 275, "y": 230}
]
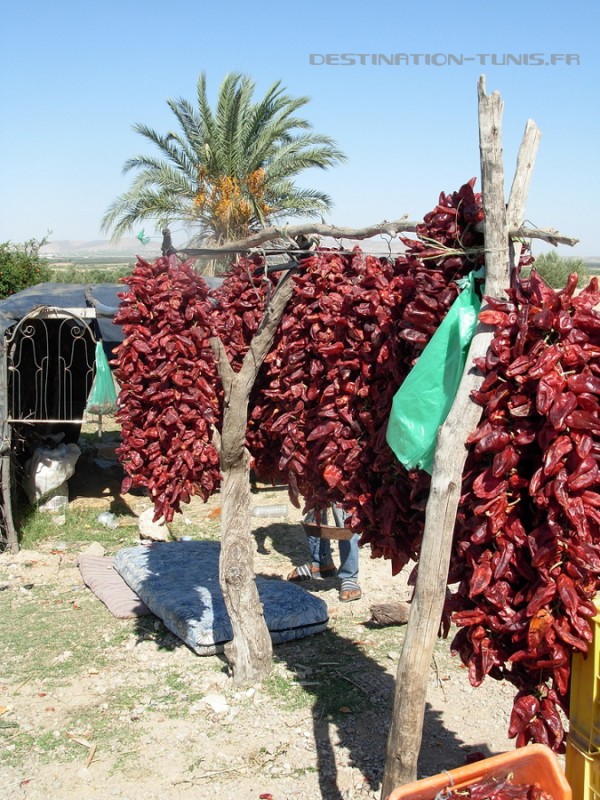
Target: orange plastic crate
[{"x": 535, "y": 763}]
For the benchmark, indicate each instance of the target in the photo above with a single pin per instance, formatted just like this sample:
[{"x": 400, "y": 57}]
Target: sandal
[
  {"x": 350, "y": 594},
  {"x": 307, "y": 571}
]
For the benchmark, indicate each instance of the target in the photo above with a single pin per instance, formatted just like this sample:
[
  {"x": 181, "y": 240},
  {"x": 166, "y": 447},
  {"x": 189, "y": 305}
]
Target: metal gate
[
  {"x": 49, "y": 367},
  {"x": 49, "y": 357}
]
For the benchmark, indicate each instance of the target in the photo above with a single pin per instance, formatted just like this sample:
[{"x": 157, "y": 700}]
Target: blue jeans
[{"x": 320, "y": 549}]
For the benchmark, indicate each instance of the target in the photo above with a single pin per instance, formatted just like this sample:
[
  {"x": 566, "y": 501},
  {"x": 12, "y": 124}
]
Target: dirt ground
[{"x": 142, "y": 716}]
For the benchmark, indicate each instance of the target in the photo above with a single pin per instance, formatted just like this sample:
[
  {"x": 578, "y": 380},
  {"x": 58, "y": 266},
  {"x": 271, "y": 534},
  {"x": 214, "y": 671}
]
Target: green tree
[
  {"x": 21, "y": 266},
  {"x": 555, "y": 269},
  {"x": 229, "y": 171},
  {"x": 88, "y": 276}
]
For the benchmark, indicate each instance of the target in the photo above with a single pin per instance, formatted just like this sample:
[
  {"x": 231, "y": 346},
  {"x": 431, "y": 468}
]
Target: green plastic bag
[
  {"x": 423, "y": 401},
  {"x": 102, "y": 398}
]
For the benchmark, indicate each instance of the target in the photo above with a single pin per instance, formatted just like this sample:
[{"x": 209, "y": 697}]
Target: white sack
[{"x": 48, "y": 469}]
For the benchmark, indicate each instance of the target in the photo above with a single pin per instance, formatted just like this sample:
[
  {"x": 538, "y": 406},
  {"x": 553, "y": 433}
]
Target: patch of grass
[
  {"x": 386, "y": 640},
  {"x": 178, "y": 700},
  {"x": 208, "y": 529},
  {"x": 176, "y": 683},
  {"x": 81, "y": 527},
  {"x": 46, "y": 634},
  {"x": 326, "y": 689},
  {"x": 287, "y": 692},
  {"x": 344, "y": 699},
  {"x": 23, "y": 748},
  {"x": 101, "y": 729},
  {"x": 111, "y": 726},
  {"x": 18, "y": 748},
  {"x": 300, "y": 772}
]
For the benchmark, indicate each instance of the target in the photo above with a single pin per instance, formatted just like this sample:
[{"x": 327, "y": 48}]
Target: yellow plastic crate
[
  {"x": 582, "y": 770},
  {"x": 584, "y": 713}
]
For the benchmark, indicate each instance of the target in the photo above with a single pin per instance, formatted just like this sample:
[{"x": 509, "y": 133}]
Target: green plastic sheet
[
  {"x": 422, "y": 403},
  {"x": 102, "y": 398}
]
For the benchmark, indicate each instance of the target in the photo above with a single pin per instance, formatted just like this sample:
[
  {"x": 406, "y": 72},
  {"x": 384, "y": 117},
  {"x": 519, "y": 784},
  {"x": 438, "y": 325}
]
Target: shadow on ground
[
  {"x": 343, "y": 676},
  {"x": 352, "y": 694}
]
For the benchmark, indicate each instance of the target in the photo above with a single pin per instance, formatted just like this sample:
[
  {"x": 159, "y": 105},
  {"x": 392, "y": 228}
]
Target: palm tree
[{"x": 229, "y": 172}]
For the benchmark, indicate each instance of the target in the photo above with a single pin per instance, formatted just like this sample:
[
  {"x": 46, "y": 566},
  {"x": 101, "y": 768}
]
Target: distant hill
[
  {"x": 66, "y": 249},
  {"x": 129, "y": 247},
  {"x": 70, "y": 248}
]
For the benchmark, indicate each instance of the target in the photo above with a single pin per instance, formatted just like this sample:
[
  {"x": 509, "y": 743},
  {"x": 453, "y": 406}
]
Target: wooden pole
[
  {"x": 8, "y": 532},
  {"x": 520, "y": 188},
  {"x": 249, "y": 654},
  {"x": 406, "y": 730}
]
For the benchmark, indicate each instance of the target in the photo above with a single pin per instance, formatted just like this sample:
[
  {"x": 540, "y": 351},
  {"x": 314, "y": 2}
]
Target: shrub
[
  {"x": 21, "y": 266},
  {"x": 555, "y": 270}
]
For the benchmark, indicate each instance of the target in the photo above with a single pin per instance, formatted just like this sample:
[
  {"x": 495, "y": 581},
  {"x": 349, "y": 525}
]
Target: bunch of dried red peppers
[
  {"x": 168, "y": 403},
  {"x": 526, "y": 557},
  {"x": 497, "y": 789}
]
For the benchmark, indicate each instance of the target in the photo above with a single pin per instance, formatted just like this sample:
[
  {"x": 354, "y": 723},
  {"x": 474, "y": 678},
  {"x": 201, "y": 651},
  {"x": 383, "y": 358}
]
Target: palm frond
[
  {"x": 189, "y": 122},
  {"x": 208, "y": 127},
  {"x": 163, "y": 177},
  {"x": 168, "y": 144}
]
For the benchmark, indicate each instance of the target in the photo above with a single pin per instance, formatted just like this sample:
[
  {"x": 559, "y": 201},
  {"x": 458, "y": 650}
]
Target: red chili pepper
[
  {"x": 584, "y": 475},
  {"x": 545, "y": 362},
  {"x": 549, "y": 388},
  {"x": 493, "y": 442},
  {"x": 481, "y": 577},
  {"x": 541, "y": 596},
  {"x": 555, "y": 454},
  {"x": 583, "y": 420},
  {"x": 561, "y": 409},
  {"x": 505, "y": 461},
  {"x": 552, "y": 718},
  {"x": 584, "y": 382},
  {"x": 524, "y": 709},
  {"x": 333, "y": 475}
]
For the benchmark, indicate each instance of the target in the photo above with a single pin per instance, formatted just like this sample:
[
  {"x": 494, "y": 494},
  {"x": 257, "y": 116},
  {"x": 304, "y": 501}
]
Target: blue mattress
[{"x": 179, "y": 582}]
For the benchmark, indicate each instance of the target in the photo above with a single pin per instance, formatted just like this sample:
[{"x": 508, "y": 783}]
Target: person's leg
[
  {"x": 348, "y": 571},
  {"x": 320, "y": 551},
  {"x": 349, "y": 558},
  {"x": 321, "y": 560},
  {"x": 348, "y": 547},
  {"x": 339, "y": 516}
]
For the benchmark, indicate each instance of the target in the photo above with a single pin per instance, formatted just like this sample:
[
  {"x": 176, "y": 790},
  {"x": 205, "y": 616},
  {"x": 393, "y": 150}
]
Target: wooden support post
[
  {"x": 10, "y": 532},
  {"x": 250, "y": 652},
  {"x": 519, "y": 190},
  {"x": 406, "y": 730}
]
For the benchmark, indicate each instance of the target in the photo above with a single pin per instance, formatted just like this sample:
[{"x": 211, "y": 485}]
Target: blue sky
[{"x": 75, "y": 77}]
